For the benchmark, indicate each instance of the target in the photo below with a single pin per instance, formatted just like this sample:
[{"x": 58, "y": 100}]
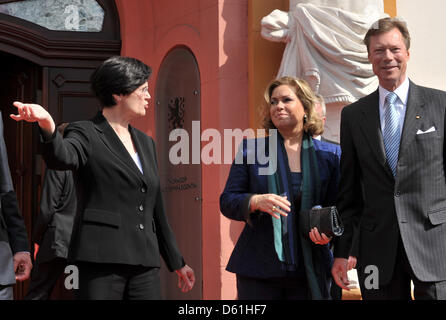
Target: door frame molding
[{"x": 61, "y": 48}]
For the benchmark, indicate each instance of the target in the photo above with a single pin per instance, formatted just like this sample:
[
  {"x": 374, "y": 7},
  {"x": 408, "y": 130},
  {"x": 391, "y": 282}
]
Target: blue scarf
[{"x": 286, "y": 233}]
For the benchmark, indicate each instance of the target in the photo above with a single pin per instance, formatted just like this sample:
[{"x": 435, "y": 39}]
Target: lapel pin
[{"x": 418, "y": 117}]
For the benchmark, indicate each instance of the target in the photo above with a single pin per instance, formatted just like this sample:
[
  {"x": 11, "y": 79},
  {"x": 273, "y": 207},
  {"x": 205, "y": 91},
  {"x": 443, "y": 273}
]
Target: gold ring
[{"x": 274, "y": 208}]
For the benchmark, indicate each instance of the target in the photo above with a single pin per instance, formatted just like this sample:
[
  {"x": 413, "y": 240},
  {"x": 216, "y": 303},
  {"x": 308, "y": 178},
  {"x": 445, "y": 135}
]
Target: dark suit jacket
[
  {"x": 54, "y": 223},
  {"x": 412, "y": 206},
  {"x": 336, "y": 149},
  {"x": 13, "y": 236},
  {"x": 120, "y": 214},
  {"x": 254, "y": 254}
]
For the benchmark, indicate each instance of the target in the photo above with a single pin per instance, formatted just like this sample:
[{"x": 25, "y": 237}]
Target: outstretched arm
[{"x": 59, "y": 154}]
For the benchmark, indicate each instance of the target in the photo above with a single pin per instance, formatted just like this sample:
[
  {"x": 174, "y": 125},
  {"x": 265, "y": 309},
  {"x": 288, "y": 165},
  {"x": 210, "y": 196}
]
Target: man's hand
[
  {"x": 22, "y": 265},
  {"x": 186, "y": 278},
  {"x": 339, "y": 272},
  {"x": 351, "y": 262}
]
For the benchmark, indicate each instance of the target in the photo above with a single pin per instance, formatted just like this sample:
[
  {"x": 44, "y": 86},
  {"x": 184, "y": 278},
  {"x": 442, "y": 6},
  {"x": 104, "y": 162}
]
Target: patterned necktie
[{"x": 391, "y": 131}]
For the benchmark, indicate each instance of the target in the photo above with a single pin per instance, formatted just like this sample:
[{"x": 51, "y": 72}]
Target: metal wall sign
[{"x": 178, "y": 107}]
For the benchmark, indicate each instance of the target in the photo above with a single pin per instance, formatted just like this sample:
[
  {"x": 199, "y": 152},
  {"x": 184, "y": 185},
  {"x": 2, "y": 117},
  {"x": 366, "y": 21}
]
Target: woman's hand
[
  {"x": 186, "y": 278},
  {"x": 270, "y": 203},
  {"x": 34, "y": 113},
  {"x": 318, "y": 238}
]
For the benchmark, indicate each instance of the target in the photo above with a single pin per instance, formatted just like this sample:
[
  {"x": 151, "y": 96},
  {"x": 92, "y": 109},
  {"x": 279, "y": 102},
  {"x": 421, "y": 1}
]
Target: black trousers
[
  {"x": 6, "y": 292},
  {"x": 44, "y": 277},
  {"x": 101, "y": 281},
  {"x": 399, "y": 287},
  {"x": 272, "y": 288}
]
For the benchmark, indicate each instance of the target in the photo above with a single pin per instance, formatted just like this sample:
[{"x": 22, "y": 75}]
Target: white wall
[{"x": 426, "y": 22}]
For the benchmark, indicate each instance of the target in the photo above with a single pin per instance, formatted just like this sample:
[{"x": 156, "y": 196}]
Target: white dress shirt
[
  {"x": 137, "y": 161},
  {"x": 400, "y": 104}
]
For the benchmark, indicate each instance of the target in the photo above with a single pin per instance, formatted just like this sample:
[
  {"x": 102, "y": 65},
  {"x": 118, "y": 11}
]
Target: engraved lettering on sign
[{"x": 178, "y": 184}]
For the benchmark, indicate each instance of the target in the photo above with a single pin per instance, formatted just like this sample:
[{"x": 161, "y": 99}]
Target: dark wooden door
[
  {"x": 68, "y": 99},
  {"x": 20, "y": 81},
  {"x": 178, "y": 107},
  {"x": 69, "y": 95},
  {"x": 66, "y": 94}
]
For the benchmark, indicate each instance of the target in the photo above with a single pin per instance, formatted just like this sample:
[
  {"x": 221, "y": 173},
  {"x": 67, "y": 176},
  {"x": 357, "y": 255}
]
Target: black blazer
[
  {"x": 54, "y": 223},
  {"x": 120, "y": 214},
  {"x": 412, "y": 206},
  {"x": 13, "y": 235}
]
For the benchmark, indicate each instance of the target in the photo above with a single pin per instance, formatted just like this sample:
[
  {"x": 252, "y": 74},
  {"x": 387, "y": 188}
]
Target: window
[{"x": 60, "y": 15}]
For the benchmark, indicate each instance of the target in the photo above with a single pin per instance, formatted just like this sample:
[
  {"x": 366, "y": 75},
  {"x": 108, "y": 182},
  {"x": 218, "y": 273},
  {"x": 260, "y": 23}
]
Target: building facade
[{"x": 210, "y": 67}]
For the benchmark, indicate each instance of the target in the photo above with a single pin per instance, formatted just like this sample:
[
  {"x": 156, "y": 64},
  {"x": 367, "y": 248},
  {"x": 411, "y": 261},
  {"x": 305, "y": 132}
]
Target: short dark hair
[
  {"x": 118, "y": 75},
  {"x": 385, "y": 25}
]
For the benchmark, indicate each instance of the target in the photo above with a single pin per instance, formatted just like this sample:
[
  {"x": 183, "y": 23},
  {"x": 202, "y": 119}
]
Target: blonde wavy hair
[{"x": 313, "y": 123}]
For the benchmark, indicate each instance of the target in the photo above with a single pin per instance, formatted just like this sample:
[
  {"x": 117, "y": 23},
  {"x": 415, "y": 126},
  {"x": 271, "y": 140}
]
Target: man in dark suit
[
  {"x": 333, "y": 146},
  {"x": 15, "y": 261},
  {"x": 393, "y": 178},
  {"x": 52, "y": 231}
]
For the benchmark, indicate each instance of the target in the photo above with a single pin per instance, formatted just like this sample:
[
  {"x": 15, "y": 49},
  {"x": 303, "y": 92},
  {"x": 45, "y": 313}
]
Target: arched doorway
[
  {"x": 50, "y": 64},
  {"x": 177, "y": 99}
]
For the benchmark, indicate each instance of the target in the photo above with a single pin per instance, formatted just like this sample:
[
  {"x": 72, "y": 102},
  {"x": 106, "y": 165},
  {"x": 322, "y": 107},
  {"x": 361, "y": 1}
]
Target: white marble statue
[{"x": 324, "y": 45}]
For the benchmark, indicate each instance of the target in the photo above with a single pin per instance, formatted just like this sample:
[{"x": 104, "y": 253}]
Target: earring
[{"x": 305, "y": 118}]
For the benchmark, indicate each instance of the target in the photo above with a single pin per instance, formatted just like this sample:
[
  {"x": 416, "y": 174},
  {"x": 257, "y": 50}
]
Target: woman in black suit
[{"x": 120, "y": 227}]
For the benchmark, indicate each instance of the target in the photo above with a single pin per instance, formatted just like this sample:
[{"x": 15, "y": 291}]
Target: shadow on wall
[{"x": 234, "y": 77}]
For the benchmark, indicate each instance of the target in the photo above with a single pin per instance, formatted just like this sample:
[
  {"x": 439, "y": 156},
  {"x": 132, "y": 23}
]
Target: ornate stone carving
[{"x": 324, "y": 45}]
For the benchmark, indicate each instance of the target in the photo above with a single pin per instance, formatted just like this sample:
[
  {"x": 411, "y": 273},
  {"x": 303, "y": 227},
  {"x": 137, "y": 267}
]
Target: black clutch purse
[{"x": 326, "y": 220}]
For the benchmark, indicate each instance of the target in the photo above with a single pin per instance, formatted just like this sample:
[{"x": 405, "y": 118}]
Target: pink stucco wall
[{"x": 216, "y": 33}]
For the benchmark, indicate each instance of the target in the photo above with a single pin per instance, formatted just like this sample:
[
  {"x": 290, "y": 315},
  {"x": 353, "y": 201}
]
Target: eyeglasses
[{"x": 143, "y": 92}]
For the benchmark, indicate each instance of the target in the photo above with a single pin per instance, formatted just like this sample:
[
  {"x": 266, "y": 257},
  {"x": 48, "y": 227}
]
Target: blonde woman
[{"x": 272, "y": 258}]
